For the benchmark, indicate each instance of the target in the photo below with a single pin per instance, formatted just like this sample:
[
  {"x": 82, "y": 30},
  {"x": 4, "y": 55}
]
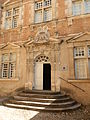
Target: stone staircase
[{"x": 42, "y": 101}]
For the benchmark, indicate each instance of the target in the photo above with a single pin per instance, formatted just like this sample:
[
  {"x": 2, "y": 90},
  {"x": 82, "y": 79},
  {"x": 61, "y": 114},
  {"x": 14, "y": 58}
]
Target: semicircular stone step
[
  {"x": 42, "y": 101},
  {"x": 42, "y": 108},
  {"x": 41, "y": 104},
  {"x": 44, "y": 92},
  {"x": 41, "y": 95},
  {"x": 66, "y": 98}
]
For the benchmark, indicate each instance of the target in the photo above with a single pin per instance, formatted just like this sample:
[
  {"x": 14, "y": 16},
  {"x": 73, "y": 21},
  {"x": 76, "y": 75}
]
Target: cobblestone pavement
[
  {"x": 19, "y": 114},
  {"x": 80, "y": 114}
]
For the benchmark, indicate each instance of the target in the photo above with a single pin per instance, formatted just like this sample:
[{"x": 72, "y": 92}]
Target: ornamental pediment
[
  {"x": 8, "y": 46},
  {"x": 42, "y": 35},
  {"x": 82, "y": 37},
  {"x": 7, "y": 2}
]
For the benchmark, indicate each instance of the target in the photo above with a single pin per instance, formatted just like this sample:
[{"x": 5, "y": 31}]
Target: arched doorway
[{"x": 42, "y": 79}]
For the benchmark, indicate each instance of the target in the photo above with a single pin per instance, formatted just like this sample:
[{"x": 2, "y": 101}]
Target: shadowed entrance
[{"x": 46, "y": 77}]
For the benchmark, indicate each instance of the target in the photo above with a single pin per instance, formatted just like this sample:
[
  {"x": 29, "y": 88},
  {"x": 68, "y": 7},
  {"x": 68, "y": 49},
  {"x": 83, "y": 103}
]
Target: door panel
[{"x": 39, "y": 76}]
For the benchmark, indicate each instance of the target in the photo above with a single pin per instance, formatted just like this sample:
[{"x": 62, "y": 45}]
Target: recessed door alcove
[{"x": 42, "y": 79}]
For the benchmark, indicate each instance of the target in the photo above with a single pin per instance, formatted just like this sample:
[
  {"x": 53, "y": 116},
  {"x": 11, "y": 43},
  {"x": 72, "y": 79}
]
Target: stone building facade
[{"x": 45, "y": 45}]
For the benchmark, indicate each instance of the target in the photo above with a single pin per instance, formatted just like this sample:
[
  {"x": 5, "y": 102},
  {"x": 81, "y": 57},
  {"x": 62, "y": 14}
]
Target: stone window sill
[
  {"x": 43, "y": 22},
  {"x": 79, "y": 16},
  {"x": 7, "y": 80},
  {"x": 79, "y": 81}
]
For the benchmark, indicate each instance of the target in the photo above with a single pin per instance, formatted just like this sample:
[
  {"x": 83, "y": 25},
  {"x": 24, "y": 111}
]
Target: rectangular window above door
[{"x": 43, "y": 11}]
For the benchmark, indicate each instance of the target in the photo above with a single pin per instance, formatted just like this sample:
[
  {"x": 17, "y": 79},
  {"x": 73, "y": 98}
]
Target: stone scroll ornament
[{"x": 42, "y": 35}]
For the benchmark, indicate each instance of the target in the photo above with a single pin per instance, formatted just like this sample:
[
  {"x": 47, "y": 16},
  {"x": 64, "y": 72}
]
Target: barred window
[{"x": 8, "y": 65}]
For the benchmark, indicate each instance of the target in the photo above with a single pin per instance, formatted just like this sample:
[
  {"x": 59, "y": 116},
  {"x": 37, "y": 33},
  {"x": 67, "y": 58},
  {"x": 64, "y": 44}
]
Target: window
[
  {"x": 38, "y": 5},
  {"x": 15, "y": 22},
  {"x": 47, "y": 2},
  {"x": 80, "y": 63},
  {"x": 87, "y": 6},
  {"x": 11, "y": 18},
  {"x": 43, "y": 11},
  {"x": 89, "y": 51},
  {"x": 79, "y": 52},
  {"x": 89, "y": 59},
  {"x": 8, "y": 65},
  {"x": 38, "y": 16},
  {"x": 42, "y": 59},
  {"x": 80, "y": 7},
  {"x": 47, "y": 14},
  {"x": 80, "y": 69},
  {"x": 77, "y": 8}
]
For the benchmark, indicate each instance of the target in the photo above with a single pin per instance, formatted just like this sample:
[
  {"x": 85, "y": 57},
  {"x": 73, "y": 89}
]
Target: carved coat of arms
[{"x": 42, "y": 35}]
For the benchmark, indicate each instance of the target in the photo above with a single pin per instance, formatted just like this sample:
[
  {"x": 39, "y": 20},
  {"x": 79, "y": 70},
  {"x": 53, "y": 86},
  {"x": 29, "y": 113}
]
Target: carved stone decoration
[{"x": 42, "y": 35}]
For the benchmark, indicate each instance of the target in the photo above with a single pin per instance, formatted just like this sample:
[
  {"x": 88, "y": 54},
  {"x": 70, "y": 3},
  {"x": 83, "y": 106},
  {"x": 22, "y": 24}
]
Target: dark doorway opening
[{"x": 46, "y": 77}]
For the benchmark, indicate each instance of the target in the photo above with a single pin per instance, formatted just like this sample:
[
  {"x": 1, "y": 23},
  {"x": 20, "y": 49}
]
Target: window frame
[
  {"x": 86, "y": 57},
  {"x": 42, "y": 8},
  {"x": 81, "y": 56},
  {"x": 8, "y": 62},
  {"x": 11, "y": 17},
  {"x": 87, "y": 11},
  {"x": 74, "y": 11},
  {"x": 78, "y": 72},
  {"x": 83, "y": 11}
]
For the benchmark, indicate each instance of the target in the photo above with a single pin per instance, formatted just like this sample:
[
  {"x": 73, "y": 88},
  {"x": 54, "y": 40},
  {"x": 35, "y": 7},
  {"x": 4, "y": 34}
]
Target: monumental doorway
[{"x": 42, "y": 80}]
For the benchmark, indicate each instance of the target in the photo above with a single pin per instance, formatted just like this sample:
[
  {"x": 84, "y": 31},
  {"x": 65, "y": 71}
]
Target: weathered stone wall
[
  {"x": 61, "y": 23},
  {"x": 9, "y": 85},
  {"x": 79, "y": 90}
]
